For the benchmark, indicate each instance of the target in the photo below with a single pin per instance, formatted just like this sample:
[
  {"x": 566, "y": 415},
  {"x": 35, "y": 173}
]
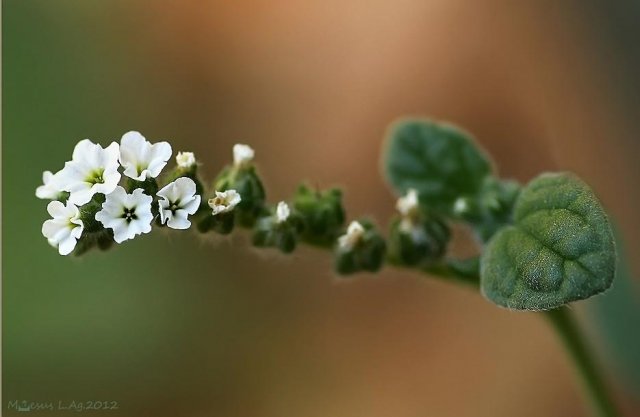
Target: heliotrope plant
[{"x": 542, "y": 245}]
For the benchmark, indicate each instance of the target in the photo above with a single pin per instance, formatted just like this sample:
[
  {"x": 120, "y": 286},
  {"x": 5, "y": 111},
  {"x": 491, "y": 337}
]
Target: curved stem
[
  {"x": 467, "y": 272},
  {"x": 463, "y": 271},
  {"x": 593, "y": 383}
]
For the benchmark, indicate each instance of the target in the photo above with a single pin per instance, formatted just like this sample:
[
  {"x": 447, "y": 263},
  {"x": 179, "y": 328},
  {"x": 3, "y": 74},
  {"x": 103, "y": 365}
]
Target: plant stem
[
  {"x": 574, "y": 342},
  {"x": 467, "y": 273},
  {"x": 462, "y": 271}
]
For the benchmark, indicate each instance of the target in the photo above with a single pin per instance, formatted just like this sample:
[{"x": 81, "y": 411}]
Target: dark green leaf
[
  {"x": 439, "y": 160},
  {"x": 559, "y": 249}
]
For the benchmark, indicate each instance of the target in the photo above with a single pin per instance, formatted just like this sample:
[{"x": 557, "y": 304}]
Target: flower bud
[
  {"x": 500, "y": 196},
  {"x": 223, "y": 212},
  {"x": 418, "y": 241},
  {"x": 467, "y": 209},
  {"x": 244, "y": 179},
  {"x": 495, "y": 204},
  {"x": 186, "y": 166},
  {"x": 280, "y": 229},
  {"x": 361, "y": 248},
  {"x": 322, "y": 213}
]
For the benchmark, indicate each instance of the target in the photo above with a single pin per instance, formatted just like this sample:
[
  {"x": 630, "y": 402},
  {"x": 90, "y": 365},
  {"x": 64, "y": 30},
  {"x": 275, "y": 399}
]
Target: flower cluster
[
  {"x": 106, "y": 195},
  {"x": 113, "y": 194}
]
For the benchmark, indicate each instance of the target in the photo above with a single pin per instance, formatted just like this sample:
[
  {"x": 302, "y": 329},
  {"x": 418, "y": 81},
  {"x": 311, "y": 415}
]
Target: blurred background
[{"x": 171, "y": 325}]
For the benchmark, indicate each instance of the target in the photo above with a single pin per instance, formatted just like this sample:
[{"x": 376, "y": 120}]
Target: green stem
[
  {"x": 575, "y": 345},
  {"x": 467, "y": 272},
  {"x": 462, "y": 271}
]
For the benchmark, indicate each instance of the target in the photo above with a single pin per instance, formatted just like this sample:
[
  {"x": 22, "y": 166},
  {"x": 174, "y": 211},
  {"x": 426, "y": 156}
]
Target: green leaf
[
  {"x": 439, "y": 160},
  {"x": 559, "y": 249}
]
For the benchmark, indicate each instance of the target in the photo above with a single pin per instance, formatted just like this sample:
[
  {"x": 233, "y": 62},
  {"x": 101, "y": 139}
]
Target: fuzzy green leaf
[
  {"x": 440, "y": 161},
  {"x": 559, "y": 249}
]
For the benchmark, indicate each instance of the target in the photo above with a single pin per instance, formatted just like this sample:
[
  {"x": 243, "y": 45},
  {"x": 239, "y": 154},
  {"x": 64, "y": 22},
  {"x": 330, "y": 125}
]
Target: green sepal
[
  {"x": 88, "y": 214},
  {"x": 559, "y": 249},
  {"x": 62, "y": 197},
  {"x": 189, "y": 172},
  {"x": 94, "y": 234},
  {"x": 268, "y": 232},
  {"x": 221, "y": 223},
  {"x": 149, "y": 185},
  {"x": 322, "y": 213},
  {"x": 103, "y": 239},
  {"x": 245, "y": 180},
  {"x": 418, "y": 242},
  {"x": 367, "y": 255}
]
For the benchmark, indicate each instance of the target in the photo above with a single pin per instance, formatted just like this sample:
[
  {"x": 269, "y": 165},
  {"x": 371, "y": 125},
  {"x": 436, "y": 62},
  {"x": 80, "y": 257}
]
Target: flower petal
[
  {"x": 66, "y": 245},
  {"x": 121, "y": 230},
  {"x": 158, "y": 158},
  {"x": 134, "y": 153},
  {"x": 192, "y": 206},
  {"x": 87, "y": 152},
  {"x": 179, "y": 221}
]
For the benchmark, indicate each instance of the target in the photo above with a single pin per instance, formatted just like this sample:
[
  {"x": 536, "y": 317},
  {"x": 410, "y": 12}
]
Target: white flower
[
  {"x": 91, "y": 170},
  {"x": 242, "y": 154},
  {"x": 224, "y": 201},
  {"x": 355, "y": 233},
  {"x": 185, "y": 159},
  {"x": 179, "y": 200},
  {"x": 65, "y": 228},
  {"x": 127, "y": 214},
  {"x": 50, "y": 190},
  {"x": 282, "y": 212},
  {"x": 140, "y": 158},
  {"x": 408, "y": 204}
]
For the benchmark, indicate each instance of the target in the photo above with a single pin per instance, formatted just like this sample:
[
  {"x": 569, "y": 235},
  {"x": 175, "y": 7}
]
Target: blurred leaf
[
  {"x": 559, "y": 250},
  {"x": 438, "y": 160}
]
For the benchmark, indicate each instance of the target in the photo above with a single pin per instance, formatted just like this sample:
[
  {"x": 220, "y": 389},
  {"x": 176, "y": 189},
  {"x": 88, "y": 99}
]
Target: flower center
[
  {"x": 96, "y": 177},
  {"x": 220, "y": 201},
  {"x": 129, "y": 214},
  {"x": 175, "y": 205}
]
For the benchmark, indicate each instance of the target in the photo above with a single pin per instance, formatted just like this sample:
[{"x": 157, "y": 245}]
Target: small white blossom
[
  {"x": 127, "y": 214},
  {"x": 408, "y": 204},
  {"x": 179, "y": 199},
  {"x": 224, "y": 201},
  {"x": 65, "y": 228},
  {"x": 50, "y": 188},
  {"x": 185, "y": 159},
  {"x": 282, "y": 212},
  {"x": 140, "y": 158},
  {"x": 91, "y": 170},
  {"x": 242, "y": 154},
  {"x": 355, "y": 233}
]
